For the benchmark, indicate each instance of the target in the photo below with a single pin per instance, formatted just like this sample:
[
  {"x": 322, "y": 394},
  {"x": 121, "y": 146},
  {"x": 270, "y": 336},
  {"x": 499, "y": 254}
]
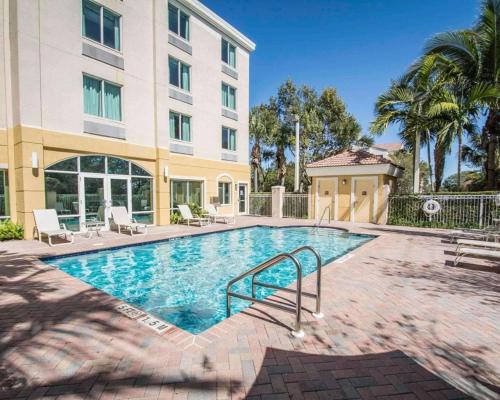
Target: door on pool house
[
  {"x": 82, "y": 189},
  {"x": 363, "y": 200},
  {"x": 327, "y": 191}
]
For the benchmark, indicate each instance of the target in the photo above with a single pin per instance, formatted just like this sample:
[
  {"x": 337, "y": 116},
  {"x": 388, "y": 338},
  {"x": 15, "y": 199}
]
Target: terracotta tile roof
[
  {"x": 389, "y": 146},
  {"x": 350, "y": 158}
]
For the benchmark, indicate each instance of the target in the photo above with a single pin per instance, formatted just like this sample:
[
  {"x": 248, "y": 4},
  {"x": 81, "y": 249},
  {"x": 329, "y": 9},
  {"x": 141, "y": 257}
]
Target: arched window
[{"x": 83, "y": 188}]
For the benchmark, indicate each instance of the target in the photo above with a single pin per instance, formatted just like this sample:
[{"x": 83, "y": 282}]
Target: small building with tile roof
[{"x": 354, "y": 185}]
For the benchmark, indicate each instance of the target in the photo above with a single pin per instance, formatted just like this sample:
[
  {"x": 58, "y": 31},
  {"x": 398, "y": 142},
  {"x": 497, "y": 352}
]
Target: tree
[
  {"x": 262, "y": 126},
  {"x": 403, "y": 105},
  {"x": 460, "y": 106},
  {"x": 325, "y": 128},
  {"x": 475, "y": 55},
  {"x": 404, "y": 185}
]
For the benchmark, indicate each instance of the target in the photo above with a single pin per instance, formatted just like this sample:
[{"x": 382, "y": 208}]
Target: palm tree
[
  {"x": 402, "y": 104},
  {"x": 460, "y": 106},
  {"x": 475, "y": 55},
  {"x": 262, "y": 126}
]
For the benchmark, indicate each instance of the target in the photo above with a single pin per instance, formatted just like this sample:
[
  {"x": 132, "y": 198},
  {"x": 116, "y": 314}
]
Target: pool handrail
[
  {"x": 323, "y": 216},
  {"x": 297, "y": 331},
  {"x": 317, "y": 295}
]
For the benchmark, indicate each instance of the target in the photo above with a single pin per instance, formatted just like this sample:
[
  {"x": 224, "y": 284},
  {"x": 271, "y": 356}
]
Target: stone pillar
[
  {"x": 277, "y": 201},
  {"x": 162, "y": 187},
  {"x": 384, "y": 207}
]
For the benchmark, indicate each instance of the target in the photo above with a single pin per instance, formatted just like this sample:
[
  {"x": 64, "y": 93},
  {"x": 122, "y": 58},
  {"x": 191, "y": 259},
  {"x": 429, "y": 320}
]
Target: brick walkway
[{"x": 401, "y": 323}]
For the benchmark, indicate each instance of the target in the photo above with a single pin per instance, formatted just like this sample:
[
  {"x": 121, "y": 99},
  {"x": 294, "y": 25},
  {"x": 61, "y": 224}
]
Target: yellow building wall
[
  {"x": 27, "y": 185},
  {"x": 344, "y": 195}
]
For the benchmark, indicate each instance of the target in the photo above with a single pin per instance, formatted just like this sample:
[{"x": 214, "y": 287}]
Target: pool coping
[{"x": 175, "y": 333}]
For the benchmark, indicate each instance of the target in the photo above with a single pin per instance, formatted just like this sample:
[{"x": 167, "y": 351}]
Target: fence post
[
  {"x": 277, "y": 201},
  {"x": 481, "y": 212}
]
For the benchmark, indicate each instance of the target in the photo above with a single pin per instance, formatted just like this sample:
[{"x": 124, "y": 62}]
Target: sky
[{"x": 356, "y": 46}]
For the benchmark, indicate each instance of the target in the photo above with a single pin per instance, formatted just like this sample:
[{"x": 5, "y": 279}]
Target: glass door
[
  {"x": 119, "y": 192},
  {"x": 242, "y": 198},
  {"x": 93, "y": 198}
]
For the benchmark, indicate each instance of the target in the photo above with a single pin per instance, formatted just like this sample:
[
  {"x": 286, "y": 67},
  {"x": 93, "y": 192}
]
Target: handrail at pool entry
[
  {"x": 323, "y": 216},
  {"x": 297, "y": 332},
  {"x": 317, "y": 295}
]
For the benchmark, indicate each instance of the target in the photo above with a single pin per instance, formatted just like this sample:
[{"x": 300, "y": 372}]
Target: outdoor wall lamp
[
  {"x": 344, "y": 181},
  {"x": 34, "y": 160},
  {"x": 165, "y": 171}
]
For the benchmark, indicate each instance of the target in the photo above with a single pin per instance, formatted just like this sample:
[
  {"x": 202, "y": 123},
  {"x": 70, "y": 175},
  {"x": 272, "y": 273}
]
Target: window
[
  {"x": 225, "y": 193},
  {"x": 4, "y": 195},
  {"x": 101, "y": 98},
  {"x": 179, "y": 74},
  {"x": 228, "y": 96},
  {"x": 180, "y": 127},
  {"x": 228, "y": 53},
  {"x": 228, "y": 139},
  {"x": 178, "y": 22},
  {"x": 100, "y": 24},
  {"x": 185, "y": 192},
  {"x": 76, "y": 200}
]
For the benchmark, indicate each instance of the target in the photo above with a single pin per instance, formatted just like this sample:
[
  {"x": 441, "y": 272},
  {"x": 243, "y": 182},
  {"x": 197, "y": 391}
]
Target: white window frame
[
  {"x": 6, "y": 194},
  {"x": 101, "y": 26},
  {"x": 180, "y": 127},
  {"x": 102, "y": 98},
  {"x": 229, "y": 185},
  {"x": 179, "y": 10},
  {"x": 228, "y": 133},
  {"x": 179, "y": 72},
  {"x": 235, "y": 96},
  {"x": 223, "y": 39}
]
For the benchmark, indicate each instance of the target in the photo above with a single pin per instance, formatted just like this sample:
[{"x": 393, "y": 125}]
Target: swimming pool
[{"x": 183, "y": 281}]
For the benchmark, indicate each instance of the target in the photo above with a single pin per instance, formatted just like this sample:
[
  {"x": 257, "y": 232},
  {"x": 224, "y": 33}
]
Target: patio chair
[
  {"x": 187, "y": 216},
  {"x": 47, "y": 223},
  {"x": 479, "y": 234},
  {"x": 123, "y": 221},
  {"x": 489, "y": 253},
  {"x": 214, "y": 215}
]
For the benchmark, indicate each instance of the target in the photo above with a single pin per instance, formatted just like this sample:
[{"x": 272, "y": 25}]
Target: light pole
[{"x": 297, "y": 151}]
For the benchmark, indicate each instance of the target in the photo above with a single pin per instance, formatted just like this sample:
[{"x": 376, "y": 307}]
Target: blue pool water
[{"x": 183, "y": 281}]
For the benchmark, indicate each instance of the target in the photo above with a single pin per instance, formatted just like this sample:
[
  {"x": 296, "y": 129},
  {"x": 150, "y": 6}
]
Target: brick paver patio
[{"x": 400, "y": 323}]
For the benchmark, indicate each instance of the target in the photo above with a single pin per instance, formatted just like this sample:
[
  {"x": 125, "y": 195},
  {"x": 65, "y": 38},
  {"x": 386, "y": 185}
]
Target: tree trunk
[
  {"x": 256, "y": 165},
  {"x": 490, "y": 141},
  {"x": 429, "y": 160},
  {"x": 416, "y": 164},
  {"x": 281, "y": 165},
  {"x": 459, "y": 160},
  {"x": 439, "y": 161}
]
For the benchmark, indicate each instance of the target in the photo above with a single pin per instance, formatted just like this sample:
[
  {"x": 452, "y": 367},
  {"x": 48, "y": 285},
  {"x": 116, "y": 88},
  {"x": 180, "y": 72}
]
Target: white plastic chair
[
  {"x": 214, "y": 215},
  {"x": 122, "y": 220},
  {"x": 187, "y": 216},
  {"x": 47, "y": 223}
]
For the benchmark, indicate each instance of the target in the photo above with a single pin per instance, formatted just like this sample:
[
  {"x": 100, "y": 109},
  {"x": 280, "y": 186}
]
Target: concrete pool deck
[{"x": 400, "y": 323}]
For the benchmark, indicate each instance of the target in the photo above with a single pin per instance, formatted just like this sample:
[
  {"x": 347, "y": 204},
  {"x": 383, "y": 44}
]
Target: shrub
[
  {"x": 175, "y": 217},
  {"x": 9, "y": 230}
]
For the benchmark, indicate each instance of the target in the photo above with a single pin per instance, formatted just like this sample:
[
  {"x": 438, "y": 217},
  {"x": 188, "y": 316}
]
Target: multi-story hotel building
[{"x": 141, "y": 103}]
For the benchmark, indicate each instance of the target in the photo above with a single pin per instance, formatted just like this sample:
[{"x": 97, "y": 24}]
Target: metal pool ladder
[
  {"x": 256, "y": 271},
  {"x": 323, "y": 216}
]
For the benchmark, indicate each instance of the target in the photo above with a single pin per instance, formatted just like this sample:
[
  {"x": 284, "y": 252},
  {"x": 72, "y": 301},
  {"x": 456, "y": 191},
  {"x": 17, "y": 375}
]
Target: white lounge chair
[
  {"x": 48, "y": 224},
  {"x": 187, "y": 216},
  {"x": 477, "y": 243},
  {"x": 214, "y": 215},
  {"x": 122, "y": 220},
  {"x": 479, "y": 234},
  {"x": 476, "y": 251}
]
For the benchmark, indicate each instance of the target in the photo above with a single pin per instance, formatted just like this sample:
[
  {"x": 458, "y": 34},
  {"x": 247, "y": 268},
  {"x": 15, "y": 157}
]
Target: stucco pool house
[{"x": 121, "y": 103}]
